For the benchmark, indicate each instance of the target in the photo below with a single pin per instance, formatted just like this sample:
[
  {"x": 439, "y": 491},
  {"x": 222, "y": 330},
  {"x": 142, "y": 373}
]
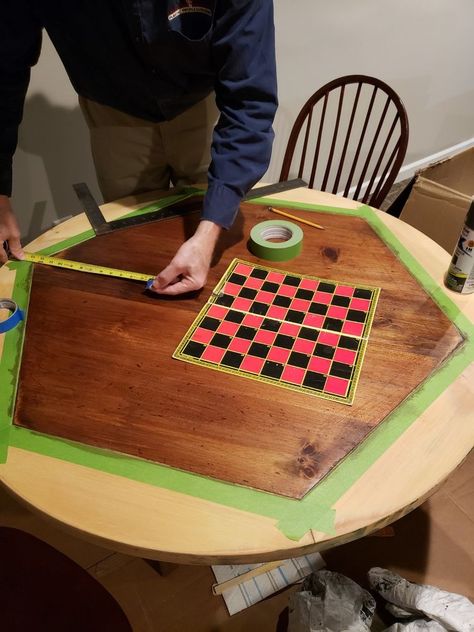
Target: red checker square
[
  {"x": 319, "y": 365},
  {"x": 254, "y": 283},
  {"x": 240, "y": 345},
  {"x": 226, "y": 327},
  {"x": 241, "y": 268},
  {"x": 360, "y": 303},
  {"x": 252, "y": 364},
  {"x": 336, "y": 385},
  {"x": 265, "y": 336},
  {"x": 275, "y": 277},
  {"x": 344, "y": 290},
  {"x": 216, "y": 311},
  {"x": 313, "y": 320},
  {"x": 303, "y": 345},
  {"x": 337, "y": 312},
  {"x": 300, "y": 305},
  {"x": 293, "y": 374},
  {"x": 290, "y": 329},
  {"x": 287, "y": 290},
  {"x": 277, "y": 312},
  {"x": 232, "y": 288},
  {"x": 242, "y": 304},
  {"x": 213, "y": 354},
  {"x": 355, "y": 329},
  {"x": 345, "y": 355},
  {"x": 327, "y": 338},
  {"x": 265, "y": 297},
  {"x": 202, "y": 335},
  {"x": 277, "y": 354},
  {"x": 309, "y": 284},
  {"x": 322, "y": 297},
  {"x": 251, "y": 320}
]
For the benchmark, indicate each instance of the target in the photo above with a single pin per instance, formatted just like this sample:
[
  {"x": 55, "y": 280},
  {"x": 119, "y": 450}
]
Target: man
[{"x": 153, "y": 65}]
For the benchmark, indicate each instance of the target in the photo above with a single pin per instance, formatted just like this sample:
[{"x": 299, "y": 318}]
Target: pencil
[{"x": 298, "y": 219}]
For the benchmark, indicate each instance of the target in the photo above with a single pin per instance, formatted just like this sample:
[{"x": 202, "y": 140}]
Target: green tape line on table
[
  {"x": 290, "y": 247},
  {"x": 315, "y": 511}
]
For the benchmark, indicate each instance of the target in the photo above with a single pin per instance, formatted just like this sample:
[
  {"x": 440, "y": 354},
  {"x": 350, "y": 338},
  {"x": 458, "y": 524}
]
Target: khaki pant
[{"x": 133, "y": 156}]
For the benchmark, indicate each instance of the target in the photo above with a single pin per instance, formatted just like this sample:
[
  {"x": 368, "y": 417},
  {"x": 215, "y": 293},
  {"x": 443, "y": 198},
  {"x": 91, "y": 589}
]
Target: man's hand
[
  {"x": 190, "y": 265},
  {"x": 9, "y": 231}
]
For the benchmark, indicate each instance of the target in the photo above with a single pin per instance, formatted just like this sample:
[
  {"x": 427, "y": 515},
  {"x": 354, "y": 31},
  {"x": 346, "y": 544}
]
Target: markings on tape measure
[{"x": 79, "y": 266}]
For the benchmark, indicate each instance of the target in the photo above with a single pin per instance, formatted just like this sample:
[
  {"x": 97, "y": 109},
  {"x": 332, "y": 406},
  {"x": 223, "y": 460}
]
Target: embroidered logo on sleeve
[{"x": 188, "y": 6}]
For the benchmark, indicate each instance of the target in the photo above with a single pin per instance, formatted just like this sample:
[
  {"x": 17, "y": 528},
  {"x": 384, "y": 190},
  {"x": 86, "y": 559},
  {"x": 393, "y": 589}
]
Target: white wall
[{"x": 422, "y": 48}]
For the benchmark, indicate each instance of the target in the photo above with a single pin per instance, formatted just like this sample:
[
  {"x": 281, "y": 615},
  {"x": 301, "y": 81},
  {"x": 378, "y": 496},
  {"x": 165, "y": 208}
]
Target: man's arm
[
  {"x": 20, "y": 43},
  {"x": 243, "y": 50}
]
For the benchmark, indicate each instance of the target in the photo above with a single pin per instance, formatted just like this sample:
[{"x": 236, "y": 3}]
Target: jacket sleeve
[
  {"x": 243, "y": 50},
  {"x": 20, "y": 44}
]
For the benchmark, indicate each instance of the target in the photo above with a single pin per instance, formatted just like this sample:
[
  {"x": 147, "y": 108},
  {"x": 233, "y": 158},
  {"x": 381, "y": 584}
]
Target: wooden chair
[{"x": 359, "y": 140}]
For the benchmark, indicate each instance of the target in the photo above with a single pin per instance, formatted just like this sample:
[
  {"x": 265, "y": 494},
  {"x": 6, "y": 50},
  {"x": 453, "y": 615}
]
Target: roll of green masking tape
[{"x": 290, "y": 234}]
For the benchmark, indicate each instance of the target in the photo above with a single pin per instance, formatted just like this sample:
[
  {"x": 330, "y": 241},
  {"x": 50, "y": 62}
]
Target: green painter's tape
[
  {"x": 293, "y": 517},
  {"x": 261, "y": 247}
]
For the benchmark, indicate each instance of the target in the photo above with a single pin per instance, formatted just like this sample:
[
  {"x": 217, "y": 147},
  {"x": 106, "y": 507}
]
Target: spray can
[{"x": 460, "y": 275}]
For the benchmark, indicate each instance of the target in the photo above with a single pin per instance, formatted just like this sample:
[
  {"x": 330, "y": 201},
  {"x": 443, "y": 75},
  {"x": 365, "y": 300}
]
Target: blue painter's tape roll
[{"x": 16, "y": 315}]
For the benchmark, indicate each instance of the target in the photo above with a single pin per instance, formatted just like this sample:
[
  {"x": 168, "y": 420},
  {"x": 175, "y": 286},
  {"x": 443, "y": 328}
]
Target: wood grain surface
[{"x": 97, "y": 364}]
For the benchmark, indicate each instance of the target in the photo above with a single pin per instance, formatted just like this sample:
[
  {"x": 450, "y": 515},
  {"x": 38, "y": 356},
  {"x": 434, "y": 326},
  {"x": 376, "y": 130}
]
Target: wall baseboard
[{"x": 408, "y": 171}]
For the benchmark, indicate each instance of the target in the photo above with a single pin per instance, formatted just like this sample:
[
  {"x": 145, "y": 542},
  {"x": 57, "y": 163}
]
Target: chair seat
[{"x": 42, "y": 589}]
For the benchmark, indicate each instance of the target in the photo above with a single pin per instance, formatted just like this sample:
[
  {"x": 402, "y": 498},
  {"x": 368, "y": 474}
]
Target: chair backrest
[{"x": 350, "y": 137}]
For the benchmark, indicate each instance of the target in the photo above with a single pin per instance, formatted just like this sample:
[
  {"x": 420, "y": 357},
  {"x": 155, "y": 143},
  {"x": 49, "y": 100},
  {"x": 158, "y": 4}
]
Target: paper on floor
[{"x": 254, "y": 590}]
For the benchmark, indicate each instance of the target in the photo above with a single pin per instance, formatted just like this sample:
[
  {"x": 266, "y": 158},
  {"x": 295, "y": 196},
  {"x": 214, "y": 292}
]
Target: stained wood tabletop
[{"x": 216, "y": 424}]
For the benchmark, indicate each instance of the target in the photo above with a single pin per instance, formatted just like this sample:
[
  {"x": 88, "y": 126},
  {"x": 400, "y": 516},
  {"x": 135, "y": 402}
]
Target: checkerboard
[{"x": 298, "y": 332}]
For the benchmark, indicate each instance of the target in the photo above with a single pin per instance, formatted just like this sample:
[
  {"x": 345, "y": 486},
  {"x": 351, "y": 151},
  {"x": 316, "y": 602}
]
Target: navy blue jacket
[{"x": 154, "y": 59}]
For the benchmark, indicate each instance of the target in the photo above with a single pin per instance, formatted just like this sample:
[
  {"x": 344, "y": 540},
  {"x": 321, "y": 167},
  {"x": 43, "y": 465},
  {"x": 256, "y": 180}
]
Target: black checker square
[
  {"x": 286, "y": 342},
  {"x": 291, "y": 280},
  {"x": 346, "y": 342},
  {"x": 270, "y": 325},
  {"x": 332, "y": 324},
  {"x": 268, "y": 286},
  {"x": 361, "y": 293},
  {"x": 282, "y": 301},
  {"x": 232, "y": 359},
  {"x": 194, "y": 349},
  {"x": 340, "y": 301},
  {"x": 324, "y": 351},
  {"x": 272, "y": 369},
  {"x": 316, "y": 381},
  {"x": 258, "y": 273},
  {"x": 259, "y": 308},
  {"x": 247, "y": 333},
  {"x": 210, "y": 323},
  {"x": 225, "y": 299},
  {"x": 318, "y": 308},
  {"x": 326, "y": 287},
  {"x": 295, "y": 316},
  {"x": 234, "y": 317},
  {"x": 306, "y": 295},
  {"x": 298, "y": 359},
  {"x": 238, "y": 279},
  {"x": 221, "y": 340},
  {"x": 356, "y": 315},
  {"x": 248, "y": 292},
  {"x": 339, "y": 369},
  {"x": 308, "y": 334},
  {"x": 259, "y": 350}
]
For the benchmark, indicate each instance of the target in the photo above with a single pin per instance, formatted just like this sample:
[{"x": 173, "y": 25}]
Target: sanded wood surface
[{"x": 97, "y": 364}]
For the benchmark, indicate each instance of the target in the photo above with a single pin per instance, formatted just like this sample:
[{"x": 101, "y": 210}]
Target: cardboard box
[{"x": 439, "y": 198}]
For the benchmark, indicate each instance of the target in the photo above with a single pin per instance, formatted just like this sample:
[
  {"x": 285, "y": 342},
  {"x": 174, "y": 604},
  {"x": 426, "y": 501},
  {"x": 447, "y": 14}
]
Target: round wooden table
[{"x": 156, "y": 523}]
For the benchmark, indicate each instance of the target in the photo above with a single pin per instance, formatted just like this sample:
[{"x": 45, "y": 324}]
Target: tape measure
[{"x": 79, "y": 266}]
